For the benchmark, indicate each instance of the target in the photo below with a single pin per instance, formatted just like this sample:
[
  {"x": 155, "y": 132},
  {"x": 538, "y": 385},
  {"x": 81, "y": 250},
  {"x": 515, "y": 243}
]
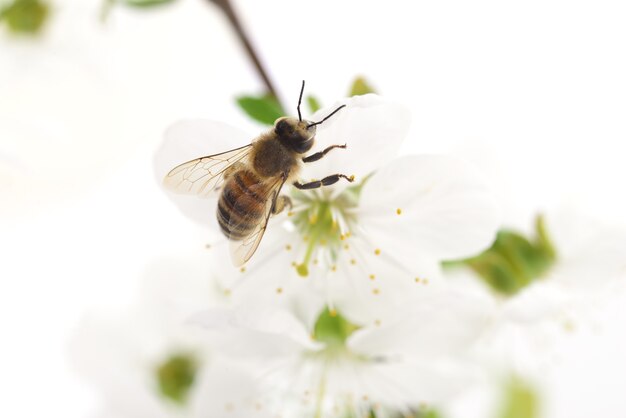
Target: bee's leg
[
  {"x": 280, "y": 204},
  {"x": 319, "y": 155},
  {"x": 326, "y": 181}
]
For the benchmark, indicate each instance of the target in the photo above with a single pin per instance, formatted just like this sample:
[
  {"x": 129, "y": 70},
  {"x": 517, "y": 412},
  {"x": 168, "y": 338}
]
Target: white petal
[
  {"x": 373, "y": 287},
  {"x": 189, "y": 139},
  {"x": 226, "y": 390},
  {"x": 269, "y": 278},
  {"x": 260, "y": 335},
  {"x": 538, "y": 301},
  {"x": 429, "y": 205},
  {"x": 372, "y": 127},
  {"x": 590, "y": 256},
  {"x": 438, "y": 326}
]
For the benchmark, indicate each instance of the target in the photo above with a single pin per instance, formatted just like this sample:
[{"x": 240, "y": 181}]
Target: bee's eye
[{"x": 282, "y": 127}]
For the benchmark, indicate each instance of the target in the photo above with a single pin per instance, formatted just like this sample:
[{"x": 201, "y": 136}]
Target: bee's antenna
[
  {"x": 334, "y": 111},
  {"x": 300, "y": 101}
]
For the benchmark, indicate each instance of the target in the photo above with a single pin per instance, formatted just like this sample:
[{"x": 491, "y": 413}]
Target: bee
[{"x": 249, "y": 179}]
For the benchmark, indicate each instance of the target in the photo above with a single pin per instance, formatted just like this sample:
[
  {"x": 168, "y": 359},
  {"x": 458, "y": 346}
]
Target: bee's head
[{"x": 297, "y": 135}]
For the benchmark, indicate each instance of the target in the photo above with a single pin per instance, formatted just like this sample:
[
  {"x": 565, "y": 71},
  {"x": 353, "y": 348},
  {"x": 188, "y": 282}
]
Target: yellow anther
[
  {"x": 290, "y": 213},
  {"x": 424, "y": 281},
  {"x": 288, "y": 247},
  {"x": 305, "y": 238},
  {"x": 342, "y": 237},
  {"x": 353, "y": 261},
  {"x": 417, "y": 280},
  {"x": 323, "y": 242},
  {"x": 294, "y": 264},
  {"x": 332, "y": 312},
  {"x": 377, "y": 251},
  {"x": 227, "y": 292},
  {"x": 313, "y": 219},
  {"x": 372, "y": 276},
  {"x": 315, "y": 261},
  {"x": 333, "y": 268},
  {"x": 279, "y": 290},
  {"x": 376, "y": 291},
  {"x": 243, "y": 269},
  {"x": 399, "y": 211},
  {"x": 365, "y": 397},
  {"x": 352, "y": 177},
  {"x": 377, "y": 322},
  {"x": 348, "y": 234},
  {"x": 347, "y": 247}
]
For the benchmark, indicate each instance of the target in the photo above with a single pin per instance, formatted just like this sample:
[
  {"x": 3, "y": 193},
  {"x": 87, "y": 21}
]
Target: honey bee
[{"x": 249, "y": 179}]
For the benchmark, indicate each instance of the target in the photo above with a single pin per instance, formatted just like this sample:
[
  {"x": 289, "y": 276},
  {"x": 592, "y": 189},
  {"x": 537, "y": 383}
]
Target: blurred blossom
[
  {"x": 144, "y": 362},
  {"x": 358, "y": 246},
  {"x": 25, "y": 16},
  {"x": 339, "y": 368},
  {"x": 528, "y": 328}
]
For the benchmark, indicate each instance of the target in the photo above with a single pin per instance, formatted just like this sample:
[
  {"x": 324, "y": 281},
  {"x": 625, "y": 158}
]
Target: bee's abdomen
[{"x": 241, "y": 206}]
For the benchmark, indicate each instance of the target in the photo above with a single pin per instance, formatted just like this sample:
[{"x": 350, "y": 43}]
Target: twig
[{"x": 228, "y": 10}]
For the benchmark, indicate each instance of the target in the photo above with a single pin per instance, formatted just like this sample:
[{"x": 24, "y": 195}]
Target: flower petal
[
  {"x": 372, "y": 127},
  {"x": 428, "y": 205},
  {"x": 444, "y": 324},
  {"x": 590, "y": 256}
]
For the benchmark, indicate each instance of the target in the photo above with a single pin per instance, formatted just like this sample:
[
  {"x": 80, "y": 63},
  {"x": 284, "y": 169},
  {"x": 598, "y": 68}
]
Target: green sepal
[
  {"x": 332, "y": 329},
  {"x": 264, "y": 109},
  {"x": 360, "y": 87},
  {"x": 175, "y": 377},
  {"x": 513, "y": 261},
  {"x": 25, "y": 17},
  {"x": 520, "y": 401}
]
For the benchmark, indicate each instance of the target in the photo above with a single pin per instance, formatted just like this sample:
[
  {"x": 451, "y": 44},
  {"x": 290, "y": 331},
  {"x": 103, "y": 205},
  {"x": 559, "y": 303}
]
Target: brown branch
[{"x": 226, "y": 7}]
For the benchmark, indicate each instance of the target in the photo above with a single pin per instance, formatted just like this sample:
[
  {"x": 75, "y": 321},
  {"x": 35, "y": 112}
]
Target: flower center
[
  {"x": 175, "y": 376},
  {"x": 323, "y": 221},
  {"x": 332, "y": 329}
]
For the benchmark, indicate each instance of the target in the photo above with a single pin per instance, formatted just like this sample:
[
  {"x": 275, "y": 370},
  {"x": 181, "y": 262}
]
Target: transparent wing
[
  {"x": 242, "y": 250},
  {"x": 205, "y": 175}
]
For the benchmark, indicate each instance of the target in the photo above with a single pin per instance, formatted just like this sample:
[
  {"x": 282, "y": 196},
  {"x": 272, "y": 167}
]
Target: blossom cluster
[{"x": 385, "y": 297}]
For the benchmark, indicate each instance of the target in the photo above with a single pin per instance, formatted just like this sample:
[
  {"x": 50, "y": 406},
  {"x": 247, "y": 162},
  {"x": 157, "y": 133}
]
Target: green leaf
[
  {"x": 264, "y": 109},
  {"x": 314, "y": 104},
  {"x": 175, "y": 376},
  {"x": 25, "y": 16},
  {"x": 513, "y": 261},
  {"x": 360, "y": 87},
  {"x": 520, "y": 401}
]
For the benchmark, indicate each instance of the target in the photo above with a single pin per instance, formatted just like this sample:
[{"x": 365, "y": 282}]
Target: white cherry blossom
[
  {"x": 354, "y": 244},
  {"x": 336, "y": 368},
  {"x": 127, "y": 356}
]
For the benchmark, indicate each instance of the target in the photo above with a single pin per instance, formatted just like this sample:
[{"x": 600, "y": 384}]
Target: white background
[{"x": 534, "y": 92}]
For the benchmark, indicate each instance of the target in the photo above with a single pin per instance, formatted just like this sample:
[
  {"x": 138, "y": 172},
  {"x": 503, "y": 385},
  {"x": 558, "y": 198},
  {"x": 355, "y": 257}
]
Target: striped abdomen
[{"x": 242, "y": 204}]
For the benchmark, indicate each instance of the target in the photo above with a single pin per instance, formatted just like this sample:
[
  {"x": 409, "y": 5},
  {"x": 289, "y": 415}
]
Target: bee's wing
[
  {"x": 205, "y": 175},
  {"x": 242, "y": 250}
]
